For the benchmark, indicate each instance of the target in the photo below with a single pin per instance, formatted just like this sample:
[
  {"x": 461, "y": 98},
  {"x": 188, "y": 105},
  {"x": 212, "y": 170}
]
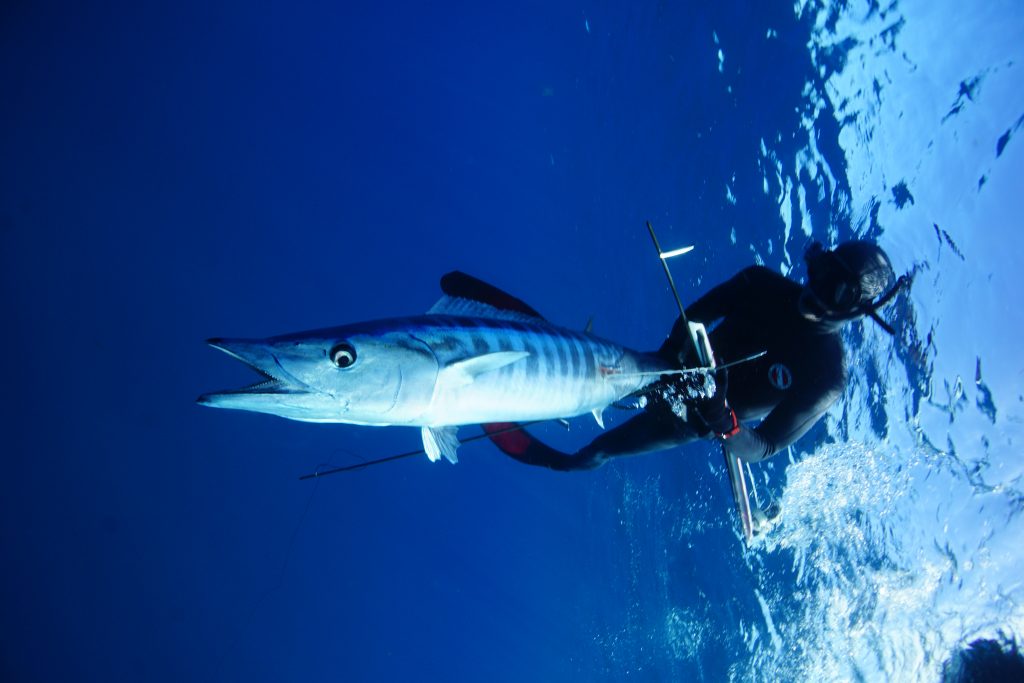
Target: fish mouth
[{"x": 260, "y": 358}]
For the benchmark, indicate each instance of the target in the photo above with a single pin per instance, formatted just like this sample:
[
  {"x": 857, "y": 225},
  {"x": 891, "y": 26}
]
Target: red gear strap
[
  {"x": 735, "y": 425},
  {"x": 508, "y": 437}
]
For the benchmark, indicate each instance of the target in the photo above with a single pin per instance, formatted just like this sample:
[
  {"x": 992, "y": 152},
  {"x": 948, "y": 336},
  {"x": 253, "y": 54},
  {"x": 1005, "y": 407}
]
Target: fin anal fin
[{"x": 438, "y": 441}]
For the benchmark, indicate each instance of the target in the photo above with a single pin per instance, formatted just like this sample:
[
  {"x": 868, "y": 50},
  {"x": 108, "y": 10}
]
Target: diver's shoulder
[
  {"x": 835, "y": 359},
  {"x": 762, "y": 276},
  {"x": 825, "y": 351},
  {"x": 763, "y": 273},
  {"x": 822, "y": 362}
]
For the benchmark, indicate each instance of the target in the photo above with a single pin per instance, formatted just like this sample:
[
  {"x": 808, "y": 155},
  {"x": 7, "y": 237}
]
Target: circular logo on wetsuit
[{"x": 780, "y": 377}]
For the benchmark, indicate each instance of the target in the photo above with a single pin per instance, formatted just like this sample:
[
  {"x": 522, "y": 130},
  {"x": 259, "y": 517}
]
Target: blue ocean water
[{"x": 175, "y": 172}]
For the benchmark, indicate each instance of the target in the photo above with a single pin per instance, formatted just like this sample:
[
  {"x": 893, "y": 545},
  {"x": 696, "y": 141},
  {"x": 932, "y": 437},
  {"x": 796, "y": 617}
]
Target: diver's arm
[
  {"x": 790, "y": 420},
  {"x": 749, "y": 446},
  {"x": 724, "y": 298},
  {"x": 713, "y": 305}
]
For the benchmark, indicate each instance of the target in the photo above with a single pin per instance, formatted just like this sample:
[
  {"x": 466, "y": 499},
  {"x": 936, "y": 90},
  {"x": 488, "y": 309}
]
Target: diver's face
[
  {"x": 814, "y": 308},
  {"x": 810, "y": 306},
  {"x": 832, "y": 288}
]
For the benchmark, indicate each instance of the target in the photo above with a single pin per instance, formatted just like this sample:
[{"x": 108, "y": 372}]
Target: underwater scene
[{"x": 173, "y": 174}]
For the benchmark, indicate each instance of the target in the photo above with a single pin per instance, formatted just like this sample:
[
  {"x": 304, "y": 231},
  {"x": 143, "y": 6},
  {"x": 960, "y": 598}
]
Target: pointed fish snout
[
  {"x": 256, "y": 353},
  {"x": 227, "y": 344},
  {"x": 278, "y": 392}
]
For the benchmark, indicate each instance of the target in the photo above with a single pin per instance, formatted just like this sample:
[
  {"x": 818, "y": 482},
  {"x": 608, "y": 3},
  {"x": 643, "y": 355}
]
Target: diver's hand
[{"x": 715, "y": 411}]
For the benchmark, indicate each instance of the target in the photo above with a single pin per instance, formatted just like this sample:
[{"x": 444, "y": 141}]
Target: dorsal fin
[
  {"x": 450, "y": 305},
  {"x": 461, "y": 286}
]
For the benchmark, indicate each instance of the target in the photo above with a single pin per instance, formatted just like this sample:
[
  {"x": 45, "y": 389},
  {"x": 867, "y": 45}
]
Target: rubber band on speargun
[{"x": 689, "y": 371}]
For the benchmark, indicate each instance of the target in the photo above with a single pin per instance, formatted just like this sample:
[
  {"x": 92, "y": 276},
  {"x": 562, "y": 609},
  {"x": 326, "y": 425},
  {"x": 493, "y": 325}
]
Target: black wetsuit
[{"x": 801, "y": 375}]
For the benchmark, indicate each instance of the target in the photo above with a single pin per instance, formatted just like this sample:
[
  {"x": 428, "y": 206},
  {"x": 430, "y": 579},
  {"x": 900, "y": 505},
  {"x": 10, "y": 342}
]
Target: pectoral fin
[
  {"x": 463, "y": 372},
  {"x": 438, "y": 441},
  {"x": 598, "y": 416}
]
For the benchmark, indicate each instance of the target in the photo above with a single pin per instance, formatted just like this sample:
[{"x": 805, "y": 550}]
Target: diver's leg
[
  {"x": 652, "y": 430},
  {"x": 518, "y": 444}
]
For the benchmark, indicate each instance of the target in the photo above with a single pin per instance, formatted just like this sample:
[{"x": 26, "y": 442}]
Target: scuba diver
[{"x": 788, "y": 388}]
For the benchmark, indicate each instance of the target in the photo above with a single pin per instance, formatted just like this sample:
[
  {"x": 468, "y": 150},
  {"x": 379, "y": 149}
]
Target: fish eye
[{"x": 343, "y": 355}]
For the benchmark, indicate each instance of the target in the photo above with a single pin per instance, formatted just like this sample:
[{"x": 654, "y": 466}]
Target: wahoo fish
[{"x": 478, "y": 356}]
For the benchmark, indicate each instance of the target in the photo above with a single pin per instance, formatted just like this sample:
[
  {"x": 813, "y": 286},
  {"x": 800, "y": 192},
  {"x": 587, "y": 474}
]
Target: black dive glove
[{"x": 715, "y": 411}]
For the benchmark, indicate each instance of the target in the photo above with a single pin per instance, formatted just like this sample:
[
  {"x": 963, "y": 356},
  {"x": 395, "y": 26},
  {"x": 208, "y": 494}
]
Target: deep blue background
[{"x": 174, "y": 172}]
